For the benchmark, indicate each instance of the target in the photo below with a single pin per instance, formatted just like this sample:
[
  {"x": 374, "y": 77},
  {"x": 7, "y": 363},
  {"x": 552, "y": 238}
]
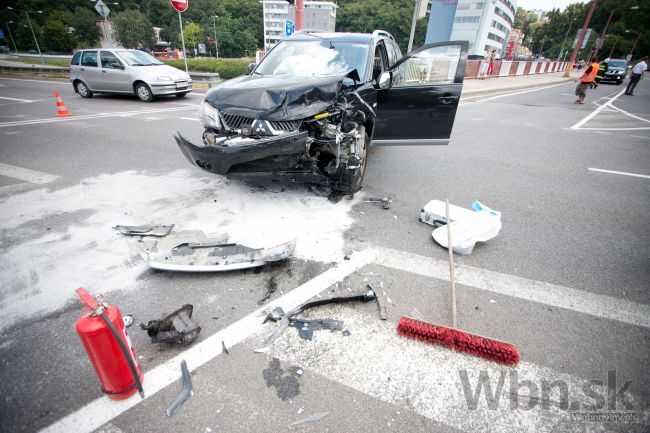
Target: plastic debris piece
[
  {"x": 262, "y": 350},
  {"x": 306, "y": 328},
  {"x": 224, "y": 349},
  {"x": 186, "y": 391},
  {"x": 470, "y": 226},
  {"x": 192, "y": 251},
  {"x": 385, "y": 201},
  {"x": 311, "y": 418},
  {"x": 492, "y": 301},
  {"x": 158, "y": 231},
  {"x": 175, "y": 328},
  {"x": 346, "y": 333},
  {"x": 271, "y": 288}
]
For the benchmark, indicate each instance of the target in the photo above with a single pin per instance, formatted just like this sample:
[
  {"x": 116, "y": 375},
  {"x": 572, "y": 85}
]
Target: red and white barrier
[{"x": 509, "y": 68}]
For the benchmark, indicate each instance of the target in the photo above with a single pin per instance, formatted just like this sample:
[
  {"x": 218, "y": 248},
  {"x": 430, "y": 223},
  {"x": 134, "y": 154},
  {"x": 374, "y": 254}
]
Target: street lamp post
[
  {"x": 574, "y": 55},
  {"x": 635, "y": 42},
  {"x": 601, "y": 40},
  {"x": 216, "y": 44},
  {"x": 11, "y": 36},
  {"x": 564, "y": 41},
  {"x": 32, "y": 29}
]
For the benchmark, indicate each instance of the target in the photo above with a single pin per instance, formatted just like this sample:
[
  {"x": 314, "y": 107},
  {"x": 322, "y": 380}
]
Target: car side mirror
[
  {"x": 117, "y": 65},
  {"x": 384, "y": 80},
  {"x": 251, "y": 66}
]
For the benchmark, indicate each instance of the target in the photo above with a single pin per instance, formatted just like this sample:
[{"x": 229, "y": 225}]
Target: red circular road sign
[{"x": 180, "y": 5}]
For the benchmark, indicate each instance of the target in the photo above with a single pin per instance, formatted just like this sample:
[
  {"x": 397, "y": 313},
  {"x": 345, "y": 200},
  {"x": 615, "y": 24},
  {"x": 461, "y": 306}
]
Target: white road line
[
  {"x": 536, "y": 291},
  {"x": 90, "y": 116},
  {"x": 16, "y": 99},
  {"x": 597, "y": 110},
  {"x": 634, "y": 116},
  {"x": 536, "y": 89},
  {"x": 640, "y": 128},
  {"x": 36, "y": 81},
  {"x": 624, "y": 173},
  {"x": 26, "y": 175},
  {"x": 102, "y": 410},
  {"x": 190, "y": 118}
]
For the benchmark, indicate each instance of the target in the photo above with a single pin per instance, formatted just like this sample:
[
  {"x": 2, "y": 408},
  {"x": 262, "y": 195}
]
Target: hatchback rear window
[
  {"x": 75, "y": 58},
  {"x": 89, "y": 58}
]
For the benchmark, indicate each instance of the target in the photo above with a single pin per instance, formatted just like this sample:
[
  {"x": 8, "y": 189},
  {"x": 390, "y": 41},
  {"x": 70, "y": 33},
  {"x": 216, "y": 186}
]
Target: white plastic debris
[
  {"x": 469, "y": 226},
  {"x": 262, "y": 350}
]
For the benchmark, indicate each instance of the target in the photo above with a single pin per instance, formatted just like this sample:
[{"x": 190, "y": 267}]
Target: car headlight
[
  {"x": 163, "y": 78},
  {"x": 209, "y": 116}
]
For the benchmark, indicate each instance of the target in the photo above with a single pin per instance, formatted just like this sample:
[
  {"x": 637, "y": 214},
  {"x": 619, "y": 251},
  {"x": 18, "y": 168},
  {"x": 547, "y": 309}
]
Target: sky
[{"x": 546, "y": 5}]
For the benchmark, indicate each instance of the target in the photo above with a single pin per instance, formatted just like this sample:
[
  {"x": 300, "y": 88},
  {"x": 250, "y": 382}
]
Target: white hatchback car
[{"x": 126, "y": 71}]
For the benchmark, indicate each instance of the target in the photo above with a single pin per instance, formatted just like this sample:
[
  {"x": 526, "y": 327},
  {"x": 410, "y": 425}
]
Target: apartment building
[{"x": 320, "y": 15}]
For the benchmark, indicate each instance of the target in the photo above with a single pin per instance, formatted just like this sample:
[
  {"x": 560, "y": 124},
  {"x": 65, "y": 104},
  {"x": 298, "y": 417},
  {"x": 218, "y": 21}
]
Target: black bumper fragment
[{"x": 220, "y": 159}]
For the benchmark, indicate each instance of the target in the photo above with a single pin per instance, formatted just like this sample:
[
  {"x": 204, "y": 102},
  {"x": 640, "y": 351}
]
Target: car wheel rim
[
  {"x": 143, "y": 93},
  {"x": 82, "y": 89}
]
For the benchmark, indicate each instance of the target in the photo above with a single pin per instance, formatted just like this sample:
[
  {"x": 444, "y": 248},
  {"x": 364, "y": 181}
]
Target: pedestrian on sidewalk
[
  {"x": 491, "y": 58},
  {"x": 637, "y": 74},
  {"x": 483, "y": 67},
  {"x": 586, "y": 79}
]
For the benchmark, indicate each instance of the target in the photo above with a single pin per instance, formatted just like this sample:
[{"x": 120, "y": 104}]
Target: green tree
[
  {"x": 393, "y": 16},
  {"x": 85, "y": 27},
  {"x": 193, "y": 34},
  {"x": 58, "y": 37},
  {"x": 134, "y": 30}
]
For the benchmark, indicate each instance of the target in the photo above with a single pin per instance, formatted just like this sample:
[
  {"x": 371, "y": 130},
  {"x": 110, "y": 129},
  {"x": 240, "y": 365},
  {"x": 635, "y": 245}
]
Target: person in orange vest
[{"x": 586, "y": 79}]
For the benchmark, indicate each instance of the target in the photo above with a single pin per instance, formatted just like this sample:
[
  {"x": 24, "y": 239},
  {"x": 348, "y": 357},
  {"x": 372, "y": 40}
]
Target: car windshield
[
  {"x": 317, "y": 57},
  {"x": 137, "y": 58},
  {"x": 617, "y": 64}
]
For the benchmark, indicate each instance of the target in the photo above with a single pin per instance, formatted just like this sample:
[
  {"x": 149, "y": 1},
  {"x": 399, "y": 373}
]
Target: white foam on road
[
  {"x": 426, "y": 379},
  {"x": 40, "y": 271}
]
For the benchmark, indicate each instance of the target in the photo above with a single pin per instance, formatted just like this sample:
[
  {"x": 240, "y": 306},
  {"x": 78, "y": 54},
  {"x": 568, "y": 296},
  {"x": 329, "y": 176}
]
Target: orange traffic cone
[{"x": 62, "y": 111}]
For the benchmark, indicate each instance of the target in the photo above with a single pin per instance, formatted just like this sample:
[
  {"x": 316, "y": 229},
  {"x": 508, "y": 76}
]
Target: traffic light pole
[{"x": 580, "y": 39}]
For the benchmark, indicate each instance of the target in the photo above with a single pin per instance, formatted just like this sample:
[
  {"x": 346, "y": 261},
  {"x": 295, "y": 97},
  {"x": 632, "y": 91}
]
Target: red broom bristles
[{"x": 493, "y": 350}]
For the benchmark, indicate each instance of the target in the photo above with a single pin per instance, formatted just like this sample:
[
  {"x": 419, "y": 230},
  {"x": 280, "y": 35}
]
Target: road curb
[{"x": 484, "y": 92}]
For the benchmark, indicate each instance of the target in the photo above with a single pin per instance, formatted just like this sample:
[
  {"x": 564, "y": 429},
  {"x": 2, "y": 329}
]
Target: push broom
[{"x": 454, "y": 338}]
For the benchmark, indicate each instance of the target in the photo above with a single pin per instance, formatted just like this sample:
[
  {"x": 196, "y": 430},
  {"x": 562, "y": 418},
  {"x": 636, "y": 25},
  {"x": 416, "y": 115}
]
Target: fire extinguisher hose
[{"x": 125, "y": 351}]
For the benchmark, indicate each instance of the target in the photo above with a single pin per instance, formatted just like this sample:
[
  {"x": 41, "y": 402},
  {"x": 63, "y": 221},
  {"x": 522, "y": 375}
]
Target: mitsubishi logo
[{"x": 260, "y": 127}]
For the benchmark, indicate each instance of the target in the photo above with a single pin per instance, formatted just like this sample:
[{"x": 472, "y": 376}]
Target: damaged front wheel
[{"x": 351, "y": 174}]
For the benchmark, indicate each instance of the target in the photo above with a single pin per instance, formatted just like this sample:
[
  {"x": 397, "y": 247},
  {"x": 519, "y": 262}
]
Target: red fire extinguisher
[{"x": 109, "y": 348}]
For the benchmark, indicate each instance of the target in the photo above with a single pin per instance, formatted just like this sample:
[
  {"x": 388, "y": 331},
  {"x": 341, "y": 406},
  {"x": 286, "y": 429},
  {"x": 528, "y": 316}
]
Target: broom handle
[{"x": 452, "y": 274}]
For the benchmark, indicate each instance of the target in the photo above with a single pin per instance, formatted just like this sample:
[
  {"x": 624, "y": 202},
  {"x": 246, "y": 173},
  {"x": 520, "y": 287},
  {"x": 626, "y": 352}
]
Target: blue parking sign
[
  {"x": 2, "y": 34},
  {"x": 288, "y": 28}
]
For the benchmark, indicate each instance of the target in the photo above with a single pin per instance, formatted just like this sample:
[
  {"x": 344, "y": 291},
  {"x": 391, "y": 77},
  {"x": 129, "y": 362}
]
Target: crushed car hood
[{"x": 275, "y": 97}]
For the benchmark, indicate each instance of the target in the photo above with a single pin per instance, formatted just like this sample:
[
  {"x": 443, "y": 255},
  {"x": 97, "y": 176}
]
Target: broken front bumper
[{"x": 221, "y": 159}]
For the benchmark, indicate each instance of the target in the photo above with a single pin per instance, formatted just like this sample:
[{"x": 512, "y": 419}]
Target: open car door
[{"x": 418, "y": 104}]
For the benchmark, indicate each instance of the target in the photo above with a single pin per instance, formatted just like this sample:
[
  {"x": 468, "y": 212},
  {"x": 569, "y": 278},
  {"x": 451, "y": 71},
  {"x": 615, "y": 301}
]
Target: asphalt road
[{"x": 565, "y": 281}]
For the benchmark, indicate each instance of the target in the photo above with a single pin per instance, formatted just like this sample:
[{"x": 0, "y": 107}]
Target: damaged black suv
[{"x": 311, "y": 108}]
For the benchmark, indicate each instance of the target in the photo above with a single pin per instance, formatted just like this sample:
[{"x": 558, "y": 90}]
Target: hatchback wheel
[
  {"x": 82, "y": 89},
  {"x": 143, "y": 92}
]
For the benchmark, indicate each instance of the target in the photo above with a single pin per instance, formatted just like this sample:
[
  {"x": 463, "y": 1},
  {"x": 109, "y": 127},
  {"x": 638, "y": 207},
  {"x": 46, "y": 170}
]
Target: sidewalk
[{"x": 520, "y": 82}]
